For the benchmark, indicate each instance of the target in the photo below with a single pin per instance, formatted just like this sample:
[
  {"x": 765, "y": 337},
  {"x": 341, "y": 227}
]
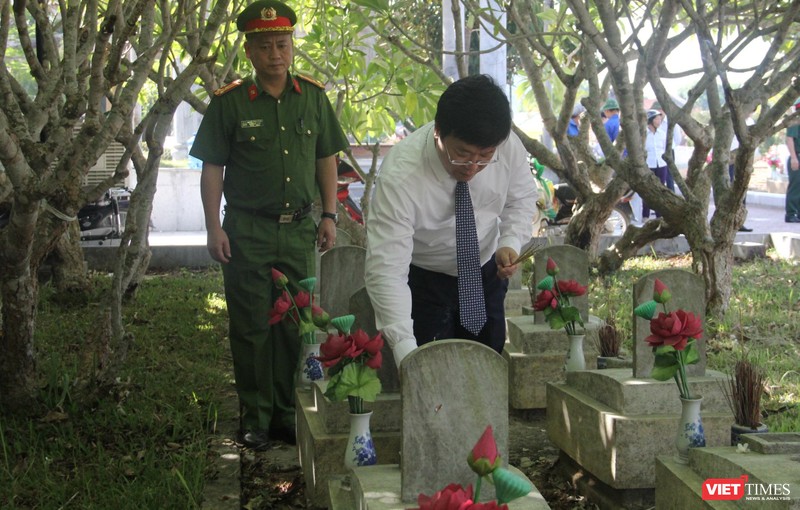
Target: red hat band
[{"x": 279, "y": 24}]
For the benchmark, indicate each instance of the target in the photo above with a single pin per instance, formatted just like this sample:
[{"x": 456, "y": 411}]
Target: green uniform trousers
[
  {"x": 265, "y": 357},
  {"x": 792, "y": 191}
]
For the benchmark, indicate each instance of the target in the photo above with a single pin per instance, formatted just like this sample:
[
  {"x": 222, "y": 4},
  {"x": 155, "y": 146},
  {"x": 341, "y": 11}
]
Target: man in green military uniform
[
  {"x": 269, "y": 143},
  {"x": 793, "y": 171}
]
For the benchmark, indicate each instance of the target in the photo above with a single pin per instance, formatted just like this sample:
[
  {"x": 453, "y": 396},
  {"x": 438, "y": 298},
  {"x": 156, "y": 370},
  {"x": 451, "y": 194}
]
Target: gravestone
[
  {"x": 361, "y": 308},
  {"x": 688, "y": 293},
  {"x": 451, "y": 391},
  {"x": 341, "y": 274},
  {"x": 573, "y": 264}
]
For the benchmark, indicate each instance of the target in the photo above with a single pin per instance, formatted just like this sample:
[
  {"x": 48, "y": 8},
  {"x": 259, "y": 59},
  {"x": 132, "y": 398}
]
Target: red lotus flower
[
  {"x": 375, "y": 361},
  {"x": 675, "y": 329},
  {"x": 279, "y": 279},
  {"x": 452, "y": 497},
  {"x": 661, "y": 293},
  {"x": 302, "y": 299},
  {"x": 545, "y": 299},
  {"x": 282, "y": 305},
  {"x": 570, "y": 288},
  {"x": 483, "y": 459},
  {"x": 552, "y": 267},
  {"x": 335, "y": 348}
]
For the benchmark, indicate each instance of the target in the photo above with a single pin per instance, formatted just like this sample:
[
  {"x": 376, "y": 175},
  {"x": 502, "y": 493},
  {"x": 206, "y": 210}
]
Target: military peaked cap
[{"x": 266, "y": 16}]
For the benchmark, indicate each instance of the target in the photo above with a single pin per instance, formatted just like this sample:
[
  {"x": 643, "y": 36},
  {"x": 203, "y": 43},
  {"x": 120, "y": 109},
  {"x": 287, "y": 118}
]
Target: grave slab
[
  {"x": 615, "y": 425},
  {"x": 341, "y": 271},
  {"x": 375, "y": 488},
  {"x": 787, "y": 244},
  {"x": 535, "y": 355},
  {"x": 451, "y": 391},
  {"x": 772, "y": 479},
  {"x": 688, "y": 293}
]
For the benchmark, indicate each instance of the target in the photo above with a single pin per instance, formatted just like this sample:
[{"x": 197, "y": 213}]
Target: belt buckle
[{"x": 286, "y": 218}]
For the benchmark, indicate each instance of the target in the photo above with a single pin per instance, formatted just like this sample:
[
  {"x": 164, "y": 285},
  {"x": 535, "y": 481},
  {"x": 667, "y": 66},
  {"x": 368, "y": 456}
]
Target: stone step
[
  {"x": 529, "y": 337},
  {"x": 620, "y": 391},
  {"x": 335, "y": 416}
]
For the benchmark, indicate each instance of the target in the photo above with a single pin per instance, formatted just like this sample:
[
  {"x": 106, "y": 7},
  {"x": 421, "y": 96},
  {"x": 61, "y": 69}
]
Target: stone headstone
[
  {"x": 341, "y": 274},
  {"x": 688, "y": 293},
  {"x": 573, "y": 264},
  {"x": 451, "y": 391},
  {"x": 342, "y": 239},
  {"x": 361, "y": 308}
]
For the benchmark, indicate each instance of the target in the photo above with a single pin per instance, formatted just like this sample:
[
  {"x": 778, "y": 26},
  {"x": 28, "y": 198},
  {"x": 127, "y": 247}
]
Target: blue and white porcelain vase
[
  {"x": 690, "y": 429},
  {"x": 310, "y": 368},
  {"x": 575, "y": 359},
  {"x": 360, "y": 448}
]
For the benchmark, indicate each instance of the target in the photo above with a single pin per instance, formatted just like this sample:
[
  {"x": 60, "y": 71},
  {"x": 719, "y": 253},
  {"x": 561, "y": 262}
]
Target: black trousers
[{"x": 434, "y": 307}]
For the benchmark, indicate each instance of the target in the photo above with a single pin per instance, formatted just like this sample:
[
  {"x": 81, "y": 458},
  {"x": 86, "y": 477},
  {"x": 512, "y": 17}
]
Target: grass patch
[{"x": 145, "y": 443}]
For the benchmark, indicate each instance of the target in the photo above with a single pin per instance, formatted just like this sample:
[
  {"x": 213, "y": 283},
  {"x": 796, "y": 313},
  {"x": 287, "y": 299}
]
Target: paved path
[{"x": 765, "y": 216}]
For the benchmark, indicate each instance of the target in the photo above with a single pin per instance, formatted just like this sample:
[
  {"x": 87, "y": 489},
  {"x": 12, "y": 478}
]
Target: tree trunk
[
  {"x": 17, "y": 362},
  {"x": 66, "y": 259}
]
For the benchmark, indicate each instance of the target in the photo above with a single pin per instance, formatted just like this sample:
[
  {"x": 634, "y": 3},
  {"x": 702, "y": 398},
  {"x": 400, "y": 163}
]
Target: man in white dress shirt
[{"x": 411, "y": 272}]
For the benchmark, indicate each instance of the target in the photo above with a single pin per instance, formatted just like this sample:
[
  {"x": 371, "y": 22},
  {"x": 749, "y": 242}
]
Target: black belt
[{"x": 297, "y": 215}]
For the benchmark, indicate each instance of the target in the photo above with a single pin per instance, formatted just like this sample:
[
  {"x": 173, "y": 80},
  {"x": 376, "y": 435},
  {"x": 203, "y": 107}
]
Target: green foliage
[{"x": 143, "y": 441}]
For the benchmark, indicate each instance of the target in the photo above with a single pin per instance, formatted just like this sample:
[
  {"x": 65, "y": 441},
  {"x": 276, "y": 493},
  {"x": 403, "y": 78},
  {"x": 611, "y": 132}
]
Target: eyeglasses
[{"x": 469, "y": 163}]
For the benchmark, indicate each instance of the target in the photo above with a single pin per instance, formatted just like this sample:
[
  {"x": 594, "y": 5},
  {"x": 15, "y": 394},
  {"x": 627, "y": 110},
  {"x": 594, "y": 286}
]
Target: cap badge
[{"x": 269, "y": 14}]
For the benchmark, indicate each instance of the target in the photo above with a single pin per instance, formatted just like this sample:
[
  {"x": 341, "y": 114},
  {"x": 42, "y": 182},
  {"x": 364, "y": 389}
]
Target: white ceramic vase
[
  {"x": 575, "y": 359},
  {"x": 310, "y": 368},
  {"x": 360, "y": 449},
  {"x": 690, "y": 432}
]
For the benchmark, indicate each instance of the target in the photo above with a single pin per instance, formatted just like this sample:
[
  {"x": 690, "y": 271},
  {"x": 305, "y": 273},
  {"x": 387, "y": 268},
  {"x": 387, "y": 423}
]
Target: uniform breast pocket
[
  {"x": 307, "y": 132},
  {"x": 255, "y": 137}
]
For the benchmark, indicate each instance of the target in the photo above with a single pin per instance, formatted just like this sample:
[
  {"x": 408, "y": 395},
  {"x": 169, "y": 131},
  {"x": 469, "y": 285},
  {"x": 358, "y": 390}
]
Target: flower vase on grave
[
  {"x": 690, "y": 429},
  {"x": 360, "y": 449},
  {"x": 310, "y": 368},
  {"x": 575, "y": 360}
]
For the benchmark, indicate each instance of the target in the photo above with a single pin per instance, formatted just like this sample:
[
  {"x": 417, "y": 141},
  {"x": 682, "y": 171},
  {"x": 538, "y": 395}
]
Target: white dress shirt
[
  {"x": 411, "y": 220},
  {"x": 656, "y": 146}
]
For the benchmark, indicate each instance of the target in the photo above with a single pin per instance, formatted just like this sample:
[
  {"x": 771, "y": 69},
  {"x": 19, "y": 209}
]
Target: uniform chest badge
[{"x": 254, "y": 123}]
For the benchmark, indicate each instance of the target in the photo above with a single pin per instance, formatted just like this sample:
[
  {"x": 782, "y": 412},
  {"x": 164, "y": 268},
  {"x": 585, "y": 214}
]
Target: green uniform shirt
[
  {"x": 269, "y": 146},
  {"x": 794, "y": 132}
]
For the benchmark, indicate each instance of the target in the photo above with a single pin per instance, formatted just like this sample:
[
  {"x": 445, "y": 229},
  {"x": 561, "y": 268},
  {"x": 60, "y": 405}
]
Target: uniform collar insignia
[
  {"x": 296, "y": 85},
  {"x": 252, "y": 92},
  {"x": 269, "y": 14}
]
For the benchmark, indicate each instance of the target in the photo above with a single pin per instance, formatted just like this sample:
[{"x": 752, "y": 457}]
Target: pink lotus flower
[
  {"x": 483, "y": 459},
  {"x": 279, "y": 279},
  {"x": 552, "y": 267},
  {"x": 661, "y": 293}
]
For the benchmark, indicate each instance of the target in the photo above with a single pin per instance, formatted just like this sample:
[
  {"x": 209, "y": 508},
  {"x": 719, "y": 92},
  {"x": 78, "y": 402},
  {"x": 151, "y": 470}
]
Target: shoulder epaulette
[
  {"x": 311, "y": 80},
  {"x": 227, "y": 88}
]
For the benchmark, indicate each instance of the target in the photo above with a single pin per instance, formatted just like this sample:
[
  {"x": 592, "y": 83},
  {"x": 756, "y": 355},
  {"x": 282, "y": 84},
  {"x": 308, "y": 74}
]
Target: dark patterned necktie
[{"x": 471, "y": 306}]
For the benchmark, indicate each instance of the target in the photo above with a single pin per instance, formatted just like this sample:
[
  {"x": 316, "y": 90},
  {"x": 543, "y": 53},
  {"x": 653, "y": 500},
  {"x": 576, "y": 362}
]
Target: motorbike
[
  {"x": 100, "y": 220},
  {"x": 558, "y": 202},
  {"x": 105, "y": 218},
  {"x": 347, "y": 175}
]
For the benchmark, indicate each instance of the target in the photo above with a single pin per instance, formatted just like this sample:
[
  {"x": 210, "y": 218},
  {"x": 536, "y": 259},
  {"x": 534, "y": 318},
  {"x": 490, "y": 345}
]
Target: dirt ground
[{"x": 273, "y": 479}]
